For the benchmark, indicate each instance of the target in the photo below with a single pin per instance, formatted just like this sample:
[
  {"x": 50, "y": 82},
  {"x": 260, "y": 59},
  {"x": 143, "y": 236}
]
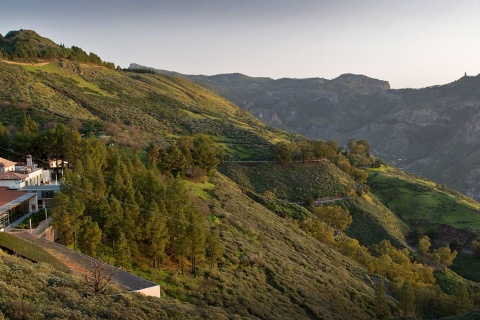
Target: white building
[{"x": 19, "y": 176}]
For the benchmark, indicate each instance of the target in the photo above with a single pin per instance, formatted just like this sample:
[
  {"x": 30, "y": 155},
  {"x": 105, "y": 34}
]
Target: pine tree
[
  {"x": 213, "y": 248},
  {"x": 90, "y": 237},
  {"x": 61, "y": 218},
  {"x": 4, "y": 137},
  {"x": 123, "y": 256},
  {"x": 204, "y": 153},
  {"x": 176, "y": 203},
  {"x": 76, "y": 209},
  {"x": 156, "y": 232},
  {"x": 381, "y": 306},
  {"x": 112, "y": 222},
  {"x": 407, "y": 298},
  {"x": 153, "y": 152},
  {"x": 195, "y": 237}
]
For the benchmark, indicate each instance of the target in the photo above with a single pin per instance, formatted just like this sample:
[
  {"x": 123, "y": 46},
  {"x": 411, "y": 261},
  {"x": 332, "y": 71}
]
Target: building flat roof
[
  {"x": 48, "y": 187},
  {"x": 10, "y": 199}
]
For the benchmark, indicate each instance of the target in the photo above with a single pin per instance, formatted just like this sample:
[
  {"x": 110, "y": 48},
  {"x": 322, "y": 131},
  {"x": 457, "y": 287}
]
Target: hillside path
[
  {"x": 39, "y": 64},
  {"x": 81, "y": 264}
]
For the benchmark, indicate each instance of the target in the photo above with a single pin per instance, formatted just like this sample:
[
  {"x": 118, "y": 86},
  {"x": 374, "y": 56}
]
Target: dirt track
[{"x": 40, "y": 64}]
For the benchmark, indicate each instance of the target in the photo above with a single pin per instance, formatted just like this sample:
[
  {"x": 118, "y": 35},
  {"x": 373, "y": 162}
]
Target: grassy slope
[
  {"x": 147, "y": 107},
  {"x": 422, "y": 203},
  {"x": 270, "y": 270},
  {"x": 292, "y": 182},
  {"x": 433, "y": 208},
  {"x": 50, "y": 294},
  {"x": 372, "y": 222},
  {"x": 273, "y": 270}
]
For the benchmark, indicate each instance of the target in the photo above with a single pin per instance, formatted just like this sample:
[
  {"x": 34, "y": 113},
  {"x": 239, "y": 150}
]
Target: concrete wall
[
  {"x": 152, "y": 291},
  {"x": 49, "y": 234}
]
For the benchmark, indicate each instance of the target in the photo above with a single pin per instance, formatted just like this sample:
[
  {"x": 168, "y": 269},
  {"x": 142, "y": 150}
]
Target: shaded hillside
[
  {"x": 431, "y": 132},
  {"x": 372, "y": 222},
  {"x": 446, "y": 216}
]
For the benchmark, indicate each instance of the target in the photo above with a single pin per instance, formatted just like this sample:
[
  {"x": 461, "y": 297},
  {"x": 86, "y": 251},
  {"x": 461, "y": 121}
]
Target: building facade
[{"x": 14, "y": 205}]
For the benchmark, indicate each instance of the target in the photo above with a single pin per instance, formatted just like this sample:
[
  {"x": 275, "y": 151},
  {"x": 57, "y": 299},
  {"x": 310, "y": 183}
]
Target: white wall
[
  {"x": 152, "y": 291},
  {"x": 12, "y": 184}
]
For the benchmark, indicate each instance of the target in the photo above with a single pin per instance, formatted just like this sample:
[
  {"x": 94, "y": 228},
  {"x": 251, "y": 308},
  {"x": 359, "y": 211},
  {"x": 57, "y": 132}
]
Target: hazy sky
[{"x": 408, "y": 43}]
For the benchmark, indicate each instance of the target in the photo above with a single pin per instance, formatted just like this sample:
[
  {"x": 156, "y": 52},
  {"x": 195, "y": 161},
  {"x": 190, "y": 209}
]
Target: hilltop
[{"x": 27, "y": 45}]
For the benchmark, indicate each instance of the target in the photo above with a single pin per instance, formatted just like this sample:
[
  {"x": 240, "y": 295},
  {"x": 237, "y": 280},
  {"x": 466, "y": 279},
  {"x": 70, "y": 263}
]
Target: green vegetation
[
  {"x": 349, "y": 161},
  {"x": 424, "y": 205},
  {"x": 294, "y": 182},
  {"x": 272, "y": 184},
  {"x": 27, "y": 45},
  {"x": 467, "y": 266},
  {"x": 132, "y": 109},
  {"x": 25, "y": 249},
  {"x": 36, "y": 218}
]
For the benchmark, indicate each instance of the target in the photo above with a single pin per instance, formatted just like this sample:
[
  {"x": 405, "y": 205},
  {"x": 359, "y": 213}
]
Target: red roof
[
  {"x": 7, "y": 163},
  {"x": 12, "y": 176},
  {"x": 7, "y": 196}
]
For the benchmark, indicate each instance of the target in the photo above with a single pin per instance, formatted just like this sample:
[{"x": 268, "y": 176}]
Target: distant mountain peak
[{"x": 359, "y": 80}]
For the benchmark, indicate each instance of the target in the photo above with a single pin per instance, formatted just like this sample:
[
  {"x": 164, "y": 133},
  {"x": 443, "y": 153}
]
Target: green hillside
[
  {"x": 442, "y": 214},
  {"x": 372, "y": 222},
  {"x": 135, "y": 108},
  {"x": 425, "y": 205}
]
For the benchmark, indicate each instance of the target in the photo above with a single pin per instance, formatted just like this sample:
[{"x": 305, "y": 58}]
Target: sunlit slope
[
  {"x": 426, "y": 205},
  {"x": 150, "y": 107}
]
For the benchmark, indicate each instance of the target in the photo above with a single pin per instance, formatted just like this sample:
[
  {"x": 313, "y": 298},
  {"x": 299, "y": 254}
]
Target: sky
[{"x": 409, "y": 43}]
